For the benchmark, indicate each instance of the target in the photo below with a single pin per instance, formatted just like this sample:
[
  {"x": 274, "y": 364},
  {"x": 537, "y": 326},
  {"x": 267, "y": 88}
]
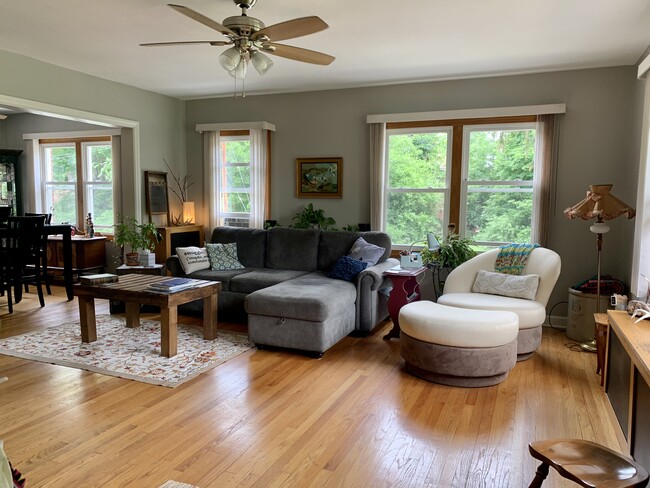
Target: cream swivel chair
[{"x": 542, "y": 262}]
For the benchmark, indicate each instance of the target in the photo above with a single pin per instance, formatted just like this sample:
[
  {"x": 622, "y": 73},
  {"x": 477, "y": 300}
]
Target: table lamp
[{"x": 601, "y": 205}]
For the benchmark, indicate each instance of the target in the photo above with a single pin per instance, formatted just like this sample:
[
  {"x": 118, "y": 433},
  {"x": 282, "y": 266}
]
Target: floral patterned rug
[{"x": 128, "y": 353}]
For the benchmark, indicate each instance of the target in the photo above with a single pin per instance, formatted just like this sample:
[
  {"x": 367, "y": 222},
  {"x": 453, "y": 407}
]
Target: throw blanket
[{"x": 512, "y": 258}]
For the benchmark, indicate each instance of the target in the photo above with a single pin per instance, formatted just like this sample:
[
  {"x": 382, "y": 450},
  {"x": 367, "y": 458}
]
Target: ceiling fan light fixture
[
  {"x": 230, "y": 59},
  {"x": 261, "y": 62},
  {"x": 239, "y": 73}
]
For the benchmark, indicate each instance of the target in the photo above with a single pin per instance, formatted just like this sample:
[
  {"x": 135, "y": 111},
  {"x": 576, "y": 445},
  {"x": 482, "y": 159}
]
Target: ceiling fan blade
[
  {"x": 212, "y": 24},
  {"x": 176, "y": 43},
  {"x": 292, "y": 28},
  {"x": 298, "y": 54}
]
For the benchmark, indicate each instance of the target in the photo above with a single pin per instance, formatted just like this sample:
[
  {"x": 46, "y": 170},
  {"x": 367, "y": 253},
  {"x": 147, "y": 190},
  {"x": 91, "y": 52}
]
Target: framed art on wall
[
  {"x": 155, "y": 186},
  {"x": 319, "y": 177}
]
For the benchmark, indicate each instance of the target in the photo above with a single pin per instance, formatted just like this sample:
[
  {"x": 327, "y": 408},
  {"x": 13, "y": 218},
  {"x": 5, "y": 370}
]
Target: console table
[
  {"x": 177, "y": 236},
  {"x": 627, "y": 376}
]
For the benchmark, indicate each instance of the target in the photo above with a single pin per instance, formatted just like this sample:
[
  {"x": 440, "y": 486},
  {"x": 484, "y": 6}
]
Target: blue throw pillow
[{"x": 347, "y": 268}]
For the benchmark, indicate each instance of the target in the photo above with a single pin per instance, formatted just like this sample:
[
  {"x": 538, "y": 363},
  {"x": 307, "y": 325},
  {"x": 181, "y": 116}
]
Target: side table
[
  {"x": 116, "y": 306},
  {"x": 406, "y": 289},
  {"x": 602, "y": 325}
]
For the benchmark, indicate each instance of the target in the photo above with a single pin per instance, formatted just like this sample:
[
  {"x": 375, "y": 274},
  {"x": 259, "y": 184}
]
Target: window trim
[{"x": 80, "y": 184}]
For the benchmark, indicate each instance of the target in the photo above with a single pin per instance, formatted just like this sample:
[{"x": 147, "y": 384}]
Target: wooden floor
[{"x": 267, "y": 419}]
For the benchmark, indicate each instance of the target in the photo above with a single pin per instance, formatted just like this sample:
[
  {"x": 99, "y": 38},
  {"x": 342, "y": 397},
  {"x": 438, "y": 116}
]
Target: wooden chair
[
  {"x": 22, "y": 257},
  {"x": 586, "y": 463},
  {"x": 46, "y": 277}
]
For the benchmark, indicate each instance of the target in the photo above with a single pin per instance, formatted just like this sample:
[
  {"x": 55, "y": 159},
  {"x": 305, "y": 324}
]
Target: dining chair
[
  {"x": 5, "y": 212},
  {"x": 22, "y": 257},
  {"x": 46, "y": 277}
]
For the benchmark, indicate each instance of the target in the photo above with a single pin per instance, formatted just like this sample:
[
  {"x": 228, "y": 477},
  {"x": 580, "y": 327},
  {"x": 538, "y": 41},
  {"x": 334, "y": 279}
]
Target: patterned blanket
[{"x": 512, "y": 258}]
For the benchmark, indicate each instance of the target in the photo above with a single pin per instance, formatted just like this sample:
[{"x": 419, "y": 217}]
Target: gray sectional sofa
[{"x": 284, "y": 292}]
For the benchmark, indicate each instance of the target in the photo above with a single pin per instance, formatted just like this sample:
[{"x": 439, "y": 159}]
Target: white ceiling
[{"x": 374, "y": 41}]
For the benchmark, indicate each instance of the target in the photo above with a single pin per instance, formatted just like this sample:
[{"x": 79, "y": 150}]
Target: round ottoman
[{"x": 458, "y": 347}]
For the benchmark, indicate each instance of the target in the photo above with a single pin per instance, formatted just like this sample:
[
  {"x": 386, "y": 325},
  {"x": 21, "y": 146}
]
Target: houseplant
[
  {"x": 309, "y": 218},
  {"x": 137, "y": 236},
  {"x": 454, "y": 251}
]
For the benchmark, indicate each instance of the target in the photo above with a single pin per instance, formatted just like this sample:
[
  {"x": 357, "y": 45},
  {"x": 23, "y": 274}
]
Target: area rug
[
  {"x": 177, "y": 484},
  {"x": 128, "y": 353}
]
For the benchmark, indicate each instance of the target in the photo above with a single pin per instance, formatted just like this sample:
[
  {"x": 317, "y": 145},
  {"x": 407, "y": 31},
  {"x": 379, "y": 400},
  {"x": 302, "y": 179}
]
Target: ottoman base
[
  {"x": 458, "y": 366},
  {"x": 528, "y": 341}
]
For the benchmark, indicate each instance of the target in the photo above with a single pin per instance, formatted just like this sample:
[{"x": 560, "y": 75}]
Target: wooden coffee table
[{"x": 132, "y": 289}]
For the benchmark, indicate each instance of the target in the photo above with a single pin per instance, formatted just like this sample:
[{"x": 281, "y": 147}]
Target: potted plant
[
  {"x": 454, "y": 251},
  {"x": 310, "y": 218},
  {"x": 138, "y": 236}
]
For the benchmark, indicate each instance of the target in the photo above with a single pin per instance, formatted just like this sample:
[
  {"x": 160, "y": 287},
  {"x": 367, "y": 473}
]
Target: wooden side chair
[
  {"x": 45, "y": 276},
  {"x": 587, "y": 464}
]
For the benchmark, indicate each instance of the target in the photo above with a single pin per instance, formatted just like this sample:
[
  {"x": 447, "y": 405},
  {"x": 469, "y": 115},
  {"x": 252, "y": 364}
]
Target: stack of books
[{"x": 172, "y": 285}]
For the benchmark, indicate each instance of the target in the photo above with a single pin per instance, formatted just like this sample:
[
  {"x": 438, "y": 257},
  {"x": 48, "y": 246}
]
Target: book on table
[
  {"x": 98, "y": 279},
  {"x": 171, "y": 285}
]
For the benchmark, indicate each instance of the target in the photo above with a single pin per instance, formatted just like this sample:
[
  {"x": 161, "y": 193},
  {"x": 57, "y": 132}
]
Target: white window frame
[
  {"x": 445, "y": 191},
  {"x": 466, "y": 183},
  {"x": 224, "y": 165},
  {"x": 82, "y": 180}
]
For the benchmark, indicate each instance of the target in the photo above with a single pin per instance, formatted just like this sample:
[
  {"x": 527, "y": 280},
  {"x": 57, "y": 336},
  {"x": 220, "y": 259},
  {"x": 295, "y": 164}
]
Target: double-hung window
[
  {"x": 235, "y": 180},
  {"x": 476, "y": 174},
  {"x": 77, "y": 176}
]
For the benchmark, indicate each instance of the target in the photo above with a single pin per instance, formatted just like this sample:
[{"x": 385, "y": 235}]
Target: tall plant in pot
[{"x": 137, "y": 236}]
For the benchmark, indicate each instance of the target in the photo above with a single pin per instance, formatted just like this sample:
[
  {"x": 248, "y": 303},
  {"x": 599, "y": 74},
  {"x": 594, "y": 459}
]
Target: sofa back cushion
[
  {"x": 334, "y": 244},
  {"x": 295, "y": 249},
  {"x": 251, "y": 244}
]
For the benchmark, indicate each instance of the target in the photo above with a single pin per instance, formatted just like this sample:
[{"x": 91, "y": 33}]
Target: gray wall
[
  {"x": 161, "y": 118},
  {"x": 598, "y": 144}
]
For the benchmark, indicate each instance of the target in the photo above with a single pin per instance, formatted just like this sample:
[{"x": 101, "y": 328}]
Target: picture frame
[
  {"x": 155, "y": 185},
  {"x": 319, "y": 177}
]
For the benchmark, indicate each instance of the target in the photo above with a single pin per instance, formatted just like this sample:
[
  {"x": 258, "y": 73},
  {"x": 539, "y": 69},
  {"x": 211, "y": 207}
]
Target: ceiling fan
[{"x": 250, "y": 39}]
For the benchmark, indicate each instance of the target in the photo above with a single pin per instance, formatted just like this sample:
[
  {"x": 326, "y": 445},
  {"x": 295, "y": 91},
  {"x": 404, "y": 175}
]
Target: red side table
[{"x": 406, "y": 289}]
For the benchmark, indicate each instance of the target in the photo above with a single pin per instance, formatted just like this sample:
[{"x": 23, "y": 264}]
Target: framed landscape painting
[{"x": 319, "y": 177}]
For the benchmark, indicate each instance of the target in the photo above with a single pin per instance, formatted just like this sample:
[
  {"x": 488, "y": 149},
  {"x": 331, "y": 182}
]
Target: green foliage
[
  {"x": 308, "y": 218},
  {"x": 454, "y": 251},
  {"x": 417, "y": 162},
  {"x": 351, "y": 228},
  {"x": 138, "y": 236}
]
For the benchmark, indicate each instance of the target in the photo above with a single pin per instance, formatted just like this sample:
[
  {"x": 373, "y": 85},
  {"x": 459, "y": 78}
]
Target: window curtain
[
  {"x": 116, "y": 155},
  {"x": 259, "y": 159},
  {"x": 212, "y": 177},
  {"x": 377, "y": 175},
  {"x": 33, "y": 196},
  {"x": 545, "y": 171}
]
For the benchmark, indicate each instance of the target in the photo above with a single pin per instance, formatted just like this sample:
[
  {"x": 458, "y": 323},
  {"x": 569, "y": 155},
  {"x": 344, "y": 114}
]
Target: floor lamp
[{"x": 601, "y": 205}]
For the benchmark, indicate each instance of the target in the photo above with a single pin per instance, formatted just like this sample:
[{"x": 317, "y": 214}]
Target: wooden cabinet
[
  {"x": 88, "y": 253},
  {"x": 627, "y": 376},
  {"x": 10, "y": 180},
  {"x": 177, "y": 236}
]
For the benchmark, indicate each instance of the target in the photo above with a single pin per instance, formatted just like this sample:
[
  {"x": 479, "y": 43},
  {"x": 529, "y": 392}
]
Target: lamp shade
[
  {"x": 189, "y": 215},
  {"x": 230, "y": 58},
  {"x": 239, "y": 73},
  {"x": 261, "y": 62},
  {"x": 599, "y": 204}
]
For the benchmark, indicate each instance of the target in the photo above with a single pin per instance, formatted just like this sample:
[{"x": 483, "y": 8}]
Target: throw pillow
[
  {"x": 223, "y": 256},
  {"x": 193, "y": 258},
  {"x": 524, "y": 286},
  {"x": 364, "y": 251},
  {"x": 347, "y": 268}
]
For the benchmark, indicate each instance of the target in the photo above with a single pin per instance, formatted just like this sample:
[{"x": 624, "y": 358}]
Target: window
[
  {"x": 477, "y": 174},
  {"x": 78, "y": 180},
  {"x": 235, "y": 178}
]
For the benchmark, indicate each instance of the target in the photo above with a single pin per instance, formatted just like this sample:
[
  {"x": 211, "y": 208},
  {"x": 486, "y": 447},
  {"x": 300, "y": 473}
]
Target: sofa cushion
[
  {"x": 257, "y": 279},
  {"x": 507, "y": 285},
  {"x": 530, "y": 313},
  {"x": 346, "y": 268},
  {"x": 313, "y": 297},
  {"x": 334, "y": 244},
  {"x": 223, "y": 256},
  {"x": 251, "y": 244},
  {"x": 366, "y": 252},
  {"x": 193, "y": 258},
  {"x": 223, "y": 276},
  {"x": 295, "y": 249}
]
